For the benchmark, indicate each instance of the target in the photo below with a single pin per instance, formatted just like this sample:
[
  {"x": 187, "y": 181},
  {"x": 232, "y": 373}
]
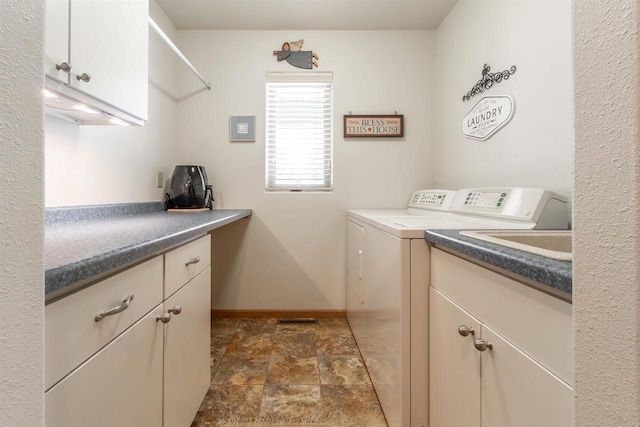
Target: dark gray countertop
[
  {"x": 86, "y": 243},
  {"x": 553, "y": 273}
]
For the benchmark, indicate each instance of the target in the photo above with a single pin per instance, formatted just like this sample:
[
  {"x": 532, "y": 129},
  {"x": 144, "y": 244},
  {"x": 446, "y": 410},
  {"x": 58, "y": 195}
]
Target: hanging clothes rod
[{"x": 173, "y": 47}]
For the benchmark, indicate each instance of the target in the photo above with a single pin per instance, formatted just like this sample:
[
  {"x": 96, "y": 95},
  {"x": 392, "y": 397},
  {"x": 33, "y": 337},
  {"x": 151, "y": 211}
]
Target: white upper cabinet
[
  {"x": 109, "y": 43},
  {"x": 105, "y": 43},
  {"x": 56, "y": 53}
]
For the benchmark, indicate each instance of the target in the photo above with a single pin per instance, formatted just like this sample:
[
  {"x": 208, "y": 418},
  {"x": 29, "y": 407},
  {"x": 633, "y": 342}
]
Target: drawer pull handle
[
  {"x": 465, "y": 330},
  {"x": 175, "y": 310},
  {"x": 192, "y": 261},
  {"x": 482, "y": 345},
  {"x": 115, "y": 310}
]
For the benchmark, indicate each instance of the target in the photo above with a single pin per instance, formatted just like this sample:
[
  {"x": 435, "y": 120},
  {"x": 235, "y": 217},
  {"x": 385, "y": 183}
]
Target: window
[{"x": 299, "y": 132}]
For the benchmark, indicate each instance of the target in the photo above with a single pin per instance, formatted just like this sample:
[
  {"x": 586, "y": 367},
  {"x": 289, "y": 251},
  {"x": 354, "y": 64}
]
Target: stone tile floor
[{"x": 267, "y": 374}]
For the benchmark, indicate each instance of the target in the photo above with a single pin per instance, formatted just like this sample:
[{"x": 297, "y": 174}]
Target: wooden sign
[
  {"x": 487, "y": 117},
  {"x": 373, "y": 126}
]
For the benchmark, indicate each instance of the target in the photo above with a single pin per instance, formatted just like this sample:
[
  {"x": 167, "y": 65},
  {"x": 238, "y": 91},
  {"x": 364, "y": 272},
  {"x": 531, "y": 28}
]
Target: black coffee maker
[{"x": 189, "y": 189}]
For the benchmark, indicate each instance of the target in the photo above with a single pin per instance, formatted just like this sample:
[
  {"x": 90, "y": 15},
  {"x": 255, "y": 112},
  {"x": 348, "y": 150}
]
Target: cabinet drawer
[
  {"x": 185, "y": 263},
  {"x": 72, "y": 334},
  {"x": 120, "y": 386},
  {"x": 538, "y": 324}
]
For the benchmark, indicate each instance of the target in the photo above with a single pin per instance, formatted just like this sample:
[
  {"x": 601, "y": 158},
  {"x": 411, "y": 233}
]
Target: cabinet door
[
  {"x": 119, "y": 386},
  {"x": 517, "y": 391},
  {"x": 354, "y": 292},
  {"x": 454, "y": 366},
  {"x": 186, "y": 351},
  {"x": 56, "y": 39},
  {"x": 109, "y": 41}
]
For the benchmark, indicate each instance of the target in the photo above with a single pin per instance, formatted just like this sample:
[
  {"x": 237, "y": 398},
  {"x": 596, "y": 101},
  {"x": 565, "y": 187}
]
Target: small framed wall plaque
[
  {"x": 358, "y": 126},
  {"x": 242, "y": 129}
]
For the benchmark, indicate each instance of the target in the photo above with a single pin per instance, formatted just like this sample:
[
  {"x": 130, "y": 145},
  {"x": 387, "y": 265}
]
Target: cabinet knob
[
  {"x": 165, "y": 318},
  {"x": 63, "y": 67},
  {"x": 482, "y": 345},
  {"x": 176, "y": 309},
  {"x": 84, "y": 77},
  {"x": 465, "y": 330}
]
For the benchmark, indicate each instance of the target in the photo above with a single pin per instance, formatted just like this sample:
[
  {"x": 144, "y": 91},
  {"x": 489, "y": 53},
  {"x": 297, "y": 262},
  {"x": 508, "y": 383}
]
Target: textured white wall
[
  {"x": 21, "y": 228},
  {"x": 606, "y": 270},
  {"x": 534, "y": 149},
  {"x": 293, "y": 255},
  {"x": 88, "y": 165}
]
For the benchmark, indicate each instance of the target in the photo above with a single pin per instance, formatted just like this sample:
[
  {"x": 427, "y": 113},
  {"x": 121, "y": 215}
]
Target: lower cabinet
[
  {"x": 119, "y": 386},
  {"x": 479, "y": 376},
  {"x": 149, "y": 369},
  {"x": 187, "y": 368}
]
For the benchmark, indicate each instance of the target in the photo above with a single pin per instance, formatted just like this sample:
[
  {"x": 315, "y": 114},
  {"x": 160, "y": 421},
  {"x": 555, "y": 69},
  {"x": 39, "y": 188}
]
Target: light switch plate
[{"x": 160, "y": 182}]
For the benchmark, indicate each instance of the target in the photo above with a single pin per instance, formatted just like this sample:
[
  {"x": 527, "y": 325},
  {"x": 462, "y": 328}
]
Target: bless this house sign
[
  {"x": 373, "y": 126},
  {"x": 487, "y": 117}
]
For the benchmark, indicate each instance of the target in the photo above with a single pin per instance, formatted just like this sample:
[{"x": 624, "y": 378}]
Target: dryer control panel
[
  {"x": 432, "y": 199},
  {"x": 545, "y": 208},
  {"x": 486, "y": 200}
]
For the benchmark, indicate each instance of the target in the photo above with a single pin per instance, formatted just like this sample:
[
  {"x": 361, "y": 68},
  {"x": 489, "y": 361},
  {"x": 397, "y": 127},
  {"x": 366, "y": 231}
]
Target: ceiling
[{"x": 306, "y": 14}]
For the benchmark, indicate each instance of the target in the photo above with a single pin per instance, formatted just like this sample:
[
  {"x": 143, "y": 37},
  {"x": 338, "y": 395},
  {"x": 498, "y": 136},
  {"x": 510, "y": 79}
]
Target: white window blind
[{"x": 299, "y": 132}]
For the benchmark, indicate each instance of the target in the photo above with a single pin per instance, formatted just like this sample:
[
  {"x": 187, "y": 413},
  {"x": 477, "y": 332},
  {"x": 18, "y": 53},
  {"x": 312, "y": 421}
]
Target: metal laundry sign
[{"x": 487, "y": 117}]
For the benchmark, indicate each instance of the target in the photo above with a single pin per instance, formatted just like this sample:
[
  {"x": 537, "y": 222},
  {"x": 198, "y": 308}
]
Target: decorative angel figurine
[{"x": 292, "y": 52}]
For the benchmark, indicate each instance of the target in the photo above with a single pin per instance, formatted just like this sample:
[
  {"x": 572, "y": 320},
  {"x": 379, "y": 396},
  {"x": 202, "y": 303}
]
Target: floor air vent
[{"x": 296, "y": 321}]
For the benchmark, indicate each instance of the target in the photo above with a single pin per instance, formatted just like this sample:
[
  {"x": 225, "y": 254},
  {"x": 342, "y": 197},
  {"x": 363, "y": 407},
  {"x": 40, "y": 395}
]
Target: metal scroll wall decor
[{"x": 488, "y": 80}]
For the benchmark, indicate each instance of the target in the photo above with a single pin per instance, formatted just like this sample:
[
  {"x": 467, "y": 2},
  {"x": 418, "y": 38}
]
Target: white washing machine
[{"x": 388, "y": 277}]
